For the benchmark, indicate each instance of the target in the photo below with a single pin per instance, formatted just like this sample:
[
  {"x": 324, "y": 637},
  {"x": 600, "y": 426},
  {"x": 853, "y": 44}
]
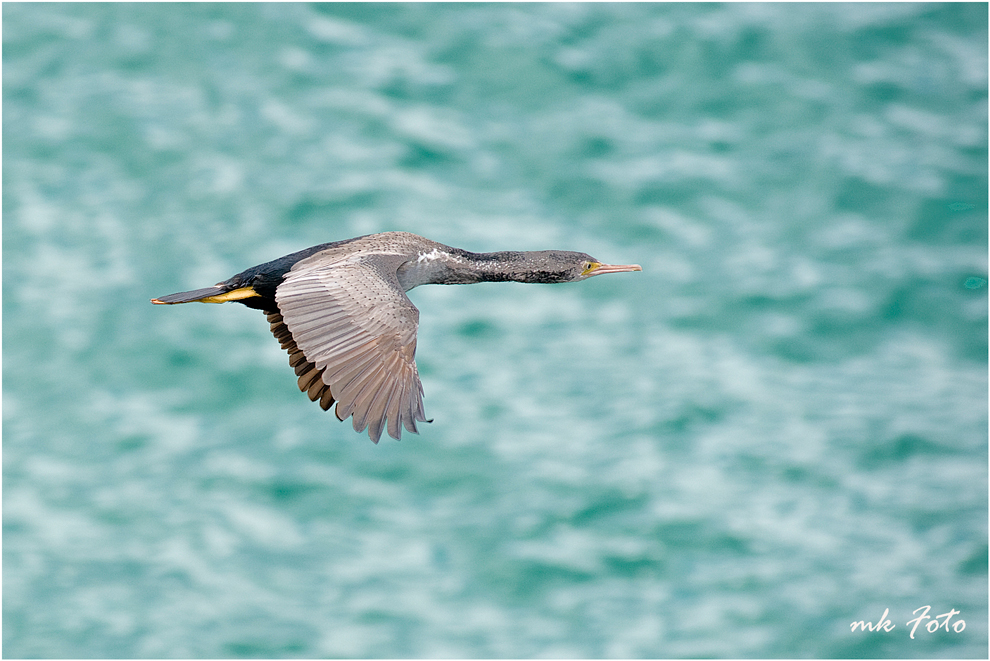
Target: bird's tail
[{"x": 188, "y": 296}]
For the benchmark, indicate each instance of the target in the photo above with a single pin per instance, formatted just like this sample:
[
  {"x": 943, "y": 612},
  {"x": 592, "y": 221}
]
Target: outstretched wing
[{"x": 352, "y": 338}]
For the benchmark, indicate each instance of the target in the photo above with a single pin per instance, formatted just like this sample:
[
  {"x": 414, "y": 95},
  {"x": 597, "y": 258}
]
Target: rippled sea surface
[{"x": 777, "y": 429}]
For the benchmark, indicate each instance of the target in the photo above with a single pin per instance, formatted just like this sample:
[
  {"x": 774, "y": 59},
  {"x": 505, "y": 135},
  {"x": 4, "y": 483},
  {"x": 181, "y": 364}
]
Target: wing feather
[
  {"x": 316, "y": 390},
  {"x": 351, "y": 335},
  {"x": 377, "y": 410},
  {"x": 326, "y": 399},
  {"x": 308, "y": 378}
]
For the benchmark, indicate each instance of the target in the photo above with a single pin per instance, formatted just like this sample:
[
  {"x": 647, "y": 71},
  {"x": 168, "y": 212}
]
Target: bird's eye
[{"x": 589, "y": 267}]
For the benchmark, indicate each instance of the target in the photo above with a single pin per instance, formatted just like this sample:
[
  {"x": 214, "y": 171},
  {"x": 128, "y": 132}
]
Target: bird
[{"x": 341, "y": 312}]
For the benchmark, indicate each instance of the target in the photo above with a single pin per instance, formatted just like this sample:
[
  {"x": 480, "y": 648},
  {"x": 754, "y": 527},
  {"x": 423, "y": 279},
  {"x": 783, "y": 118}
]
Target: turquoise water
[{"x": 778, "y": 428}]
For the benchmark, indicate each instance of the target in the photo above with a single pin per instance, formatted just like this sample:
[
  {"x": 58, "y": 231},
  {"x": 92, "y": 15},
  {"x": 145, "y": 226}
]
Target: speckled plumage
[{"x": 341, "y": 312}]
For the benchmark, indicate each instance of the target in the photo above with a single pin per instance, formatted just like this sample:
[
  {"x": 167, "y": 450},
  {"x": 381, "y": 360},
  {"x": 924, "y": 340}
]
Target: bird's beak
[{"x": 613, "y": 268}]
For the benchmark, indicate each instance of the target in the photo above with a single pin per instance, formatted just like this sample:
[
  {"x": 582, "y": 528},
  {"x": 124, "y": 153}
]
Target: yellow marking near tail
[{"x": 235, "y": 295}]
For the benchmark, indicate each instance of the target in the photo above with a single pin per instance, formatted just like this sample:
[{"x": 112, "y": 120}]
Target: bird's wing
[{"x": 351, "y": 321}]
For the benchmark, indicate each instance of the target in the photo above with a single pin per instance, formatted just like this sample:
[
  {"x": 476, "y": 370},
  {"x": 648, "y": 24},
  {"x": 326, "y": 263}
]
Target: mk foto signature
[{"x": 938, "y": 622}]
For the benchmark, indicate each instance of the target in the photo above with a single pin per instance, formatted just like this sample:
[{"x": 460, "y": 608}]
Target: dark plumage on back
[{"x": 341, "y": 312}]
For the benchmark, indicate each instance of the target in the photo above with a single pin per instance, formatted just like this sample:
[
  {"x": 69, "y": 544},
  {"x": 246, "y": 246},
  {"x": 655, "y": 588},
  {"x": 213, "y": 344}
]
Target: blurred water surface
[{"x": 777, "y": 429}]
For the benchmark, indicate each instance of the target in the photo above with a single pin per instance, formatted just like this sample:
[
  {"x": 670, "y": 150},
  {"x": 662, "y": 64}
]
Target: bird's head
[{"x": 566, "y": 266}]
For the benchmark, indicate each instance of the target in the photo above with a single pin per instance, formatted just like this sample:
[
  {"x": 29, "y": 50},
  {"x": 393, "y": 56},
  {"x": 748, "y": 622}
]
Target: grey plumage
[{"x": 341, "y": 312}]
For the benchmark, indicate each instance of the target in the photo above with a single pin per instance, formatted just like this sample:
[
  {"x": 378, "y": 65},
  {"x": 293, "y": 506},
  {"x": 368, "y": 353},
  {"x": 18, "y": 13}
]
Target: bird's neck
[{"x": 451, "y": 266}]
